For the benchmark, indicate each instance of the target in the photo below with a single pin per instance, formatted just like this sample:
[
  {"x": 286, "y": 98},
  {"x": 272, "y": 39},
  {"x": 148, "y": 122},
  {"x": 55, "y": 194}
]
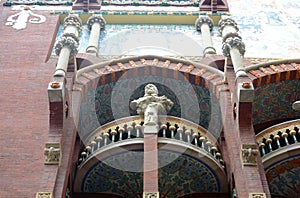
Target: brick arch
[
  {"x": 275, "y": 71},
  {"x": 272, "y": 78},
  {"x": 110, "y": 71}
]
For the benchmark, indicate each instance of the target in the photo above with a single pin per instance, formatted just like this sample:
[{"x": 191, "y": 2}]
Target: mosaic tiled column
[
  {"x": 233, "y": 46},
  {"x": 66, "y": 47},
  {"x": 205, "y": 25},
  {"x": 95, "y": 23}
]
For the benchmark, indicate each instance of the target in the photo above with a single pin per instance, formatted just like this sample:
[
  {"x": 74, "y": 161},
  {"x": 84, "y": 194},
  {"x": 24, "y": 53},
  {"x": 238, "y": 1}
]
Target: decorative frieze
[
  {"x": 249, "y": 154},
  {"x": 43, "y": 195},
  {"x": 257, "y": 195},
  {"x": 52, "y": 153}
]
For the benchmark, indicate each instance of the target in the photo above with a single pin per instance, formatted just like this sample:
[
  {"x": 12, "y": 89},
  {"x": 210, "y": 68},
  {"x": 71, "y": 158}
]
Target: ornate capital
[
  {"x": 232, "y": 42},
  {"x": 225, "y": 22},
  {"x": 96, "y": 19},
  {"x": 201, "y": 20},
  {"x": 67, "y": 40},
  {"x": 73, "y": 20},
  {"x": 52, "y": 153},
  {"x": 43, "y": 195},
  {"x": 249, "y": 154}
]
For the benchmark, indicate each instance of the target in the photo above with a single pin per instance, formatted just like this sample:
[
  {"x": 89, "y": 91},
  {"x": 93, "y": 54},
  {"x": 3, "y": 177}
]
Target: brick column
[
  {"x": 150, "y": 164},
  {"x": 245, "y": 162},
  {"x": 67, "y": 45},
  {"x": 205, "y": 25},
  {"x": 95, "y": 23}
]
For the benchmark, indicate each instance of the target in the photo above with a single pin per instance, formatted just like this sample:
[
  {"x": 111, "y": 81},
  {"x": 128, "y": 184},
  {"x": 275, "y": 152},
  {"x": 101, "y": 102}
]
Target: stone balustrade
[
  {"x": 177, "y": 129},
  {"x": 278, "y": 136}
]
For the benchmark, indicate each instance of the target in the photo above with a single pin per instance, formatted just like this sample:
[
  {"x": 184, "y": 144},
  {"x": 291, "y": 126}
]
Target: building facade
[{"x": 150, "y": 99}]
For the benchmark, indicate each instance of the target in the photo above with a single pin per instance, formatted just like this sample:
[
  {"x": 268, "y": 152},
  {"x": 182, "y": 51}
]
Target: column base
[{"x": 150, "y": 194}]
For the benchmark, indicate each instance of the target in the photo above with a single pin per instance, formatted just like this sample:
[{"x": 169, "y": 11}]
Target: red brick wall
[{"x": 24, "y": 115}]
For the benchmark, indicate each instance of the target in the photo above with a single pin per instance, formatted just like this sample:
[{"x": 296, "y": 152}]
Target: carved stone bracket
[
  {"x": 257, "y": 195},
  {"x": 232, "y": 42},
  {"x": 202, "y": 20},
  {"x": 52, "y": 153},
  {"x": 67, "y": 40},
  {"x": 73, "y": 20},
  {"x": 249, "y": 154},
  {"x": 151, "y": 195},
  {"x": 94, "y": 19},
  {"x": 43, "y": 195},
  {"x": 229, "y": 22}
]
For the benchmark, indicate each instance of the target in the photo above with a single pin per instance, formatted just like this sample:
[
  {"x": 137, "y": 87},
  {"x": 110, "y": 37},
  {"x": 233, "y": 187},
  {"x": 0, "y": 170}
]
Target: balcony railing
[
  {"x": 278, "y": 136},
  {"x": 132, "y": 128}
]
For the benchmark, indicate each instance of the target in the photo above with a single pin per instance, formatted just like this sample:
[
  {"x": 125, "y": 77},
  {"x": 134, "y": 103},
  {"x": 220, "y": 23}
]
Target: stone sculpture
[{"x": 151, "y": 105}]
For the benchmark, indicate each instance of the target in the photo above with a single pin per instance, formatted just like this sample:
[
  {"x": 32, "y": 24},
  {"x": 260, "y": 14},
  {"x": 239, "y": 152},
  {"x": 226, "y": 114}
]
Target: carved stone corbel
[
  {"x": 249, "y": 154},
  {"x": 52, "y": 153},
  {"x": 43, "y": 195}
]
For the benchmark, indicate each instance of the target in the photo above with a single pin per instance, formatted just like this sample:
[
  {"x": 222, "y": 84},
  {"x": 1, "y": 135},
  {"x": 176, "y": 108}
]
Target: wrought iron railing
[
  {"x": 278, "y": 136},
  {"x": 132, "y": 128}
]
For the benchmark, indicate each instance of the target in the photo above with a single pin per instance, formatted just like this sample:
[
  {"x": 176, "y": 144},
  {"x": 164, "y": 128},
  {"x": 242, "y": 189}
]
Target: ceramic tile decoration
[{"x": 268, "y": 28}]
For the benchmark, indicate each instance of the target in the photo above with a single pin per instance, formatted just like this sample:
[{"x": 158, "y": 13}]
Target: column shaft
[
  {"x": 237, "y": 62},
  {"x": 63, "y": 61},
  {"x": 207, "y": 41},
  {"x": 94, "y": 38}
]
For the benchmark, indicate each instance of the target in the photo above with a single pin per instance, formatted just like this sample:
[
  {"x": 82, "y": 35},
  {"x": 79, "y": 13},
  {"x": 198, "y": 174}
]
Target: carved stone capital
[
  {"x": 232, "y": 42},
  {"x": 67, "y": 40},
  {"x": 52, "y": 153},
  {"x": 249, "y": 154},
  {"x": 96, "y": 19},
  {"x": 151, "y": 195},
  {"x": 202, "y": 20},
  {"x": 73, "y": 20},
  {"x": 43, "y": 195},
  {"x": 225, "y": 22},
  {"x": 257, "y": 195}
]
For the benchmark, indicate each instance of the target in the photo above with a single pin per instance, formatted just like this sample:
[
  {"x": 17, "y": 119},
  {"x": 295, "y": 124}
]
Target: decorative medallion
[
  {"x": 19, "y": 21},
  {"x": 52, "y": 153},
  {"x": 257, "y": 195},
  {"x": 43, "y": 195},
  {"x": 151, "y": 195}
]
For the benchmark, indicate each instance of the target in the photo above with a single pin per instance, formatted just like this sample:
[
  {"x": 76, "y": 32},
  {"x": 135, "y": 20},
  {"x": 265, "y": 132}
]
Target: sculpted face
[{"x": 151, "y": 89}]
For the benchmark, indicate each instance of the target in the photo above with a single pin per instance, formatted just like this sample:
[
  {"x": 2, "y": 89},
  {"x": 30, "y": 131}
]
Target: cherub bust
[{"x": 150, "y": 105}]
